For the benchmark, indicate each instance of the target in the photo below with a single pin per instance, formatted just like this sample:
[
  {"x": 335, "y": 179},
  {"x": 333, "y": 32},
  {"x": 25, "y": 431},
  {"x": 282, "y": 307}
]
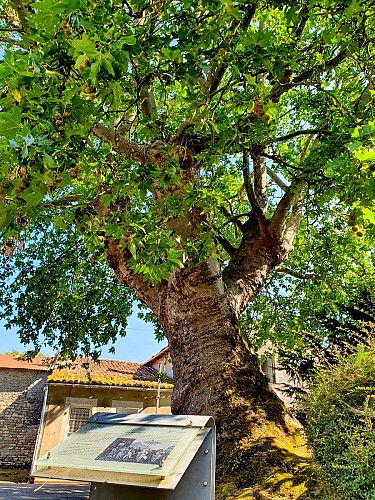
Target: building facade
[
  {"x": 76, "y": 392},
  {"x": 21, "y": 401}
]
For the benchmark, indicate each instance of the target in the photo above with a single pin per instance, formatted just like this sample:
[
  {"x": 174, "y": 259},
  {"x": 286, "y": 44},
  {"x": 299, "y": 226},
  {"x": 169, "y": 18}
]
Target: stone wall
[{"x": 21, "y": 401}]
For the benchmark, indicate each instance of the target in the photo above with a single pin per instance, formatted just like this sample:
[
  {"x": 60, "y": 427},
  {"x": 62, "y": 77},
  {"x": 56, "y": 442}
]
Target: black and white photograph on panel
[{"x": 136, "y": 451}]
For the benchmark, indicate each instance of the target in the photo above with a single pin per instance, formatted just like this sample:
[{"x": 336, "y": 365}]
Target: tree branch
[
  {"x": 359, "y": 413},
  {"x": 260, "y": 179},
  {"x": 301, "y": 132},
  {"x": 10, "y": 41},
  {"x": 63, "y": 201},
  {"x": 276, "y": 179},
  {"x": 277, "y": 159},
  {"x": 228, "y": 247},
  {"x": 286, "y": 82},
  {"x": 290, "y": 198},
  {"x": 211, "y": 84},
  {"x": 294, "y": 274},
  {"x": 22, "y": 13},
  {"x": 148, "y": 105},
  {"x": 247, "y": 183},
  {"x": 232, "y": 218},
  {"x": 138, "y": 152}
]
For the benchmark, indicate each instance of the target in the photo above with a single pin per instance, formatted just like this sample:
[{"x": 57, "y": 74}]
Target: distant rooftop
[
  {"x": 158, "y": 356},
  {"x": 108, "y": 372},
  {"x": 37, "y": 364}
]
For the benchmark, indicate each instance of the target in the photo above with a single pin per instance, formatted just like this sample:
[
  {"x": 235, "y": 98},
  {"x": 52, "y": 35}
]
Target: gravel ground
[{"x": 11, "y": 491}]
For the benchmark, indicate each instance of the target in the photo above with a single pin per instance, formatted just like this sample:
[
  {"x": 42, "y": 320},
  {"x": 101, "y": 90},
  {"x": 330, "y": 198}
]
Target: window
[{"x": 77, "y": 418}]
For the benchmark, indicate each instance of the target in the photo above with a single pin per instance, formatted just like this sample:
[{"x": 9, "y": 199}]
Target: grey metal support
[{"x": 197, "y": 483}]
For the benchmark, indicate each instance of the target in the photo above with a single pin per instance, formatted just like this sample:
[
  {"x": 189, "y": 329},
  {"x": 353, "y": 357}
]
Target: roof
[
  {"x": 158, "y": 356},
  {"x": 106, "y": 372},
  {"x": 13, "y": 361}
]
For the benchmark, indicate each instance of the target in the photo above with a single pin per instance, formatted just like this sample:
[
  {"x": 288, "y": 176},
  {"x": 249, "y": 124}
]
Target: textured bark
[{"x": 216, "y": 372}]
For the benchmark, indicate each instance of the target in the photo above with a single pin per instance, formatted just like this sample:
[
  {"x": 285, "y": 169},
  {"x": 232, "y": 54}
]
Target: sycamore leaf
[
  {"x": 369, "y": 215},
  {"x": 106, "y": 62},
  {"x": 10, "y": 122},
  {"x": 271, "y": 109},
  {"x": 365, "y": 155},
  {"x": 250, "y": 80},
  {"x": 85, "y": 46},
  {"x": 46, "y": 15}
]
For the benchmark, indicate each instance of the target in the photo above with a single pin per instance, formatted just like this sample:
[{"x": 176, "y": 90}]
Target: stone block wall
[{"x": 21, "y": 401}]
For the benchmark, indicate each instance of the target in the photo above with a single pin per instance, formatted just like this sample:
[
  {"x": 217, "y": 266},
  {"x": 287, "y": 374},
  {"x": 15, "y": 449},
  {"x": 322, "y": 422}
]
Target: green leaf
[
  {"x": 133, "y": 250},
  {"x": 365, "y": 155},
  {"x": 369, "y": 215},
  {"x": 106, "y": 62},
  {"x": 129, "y": 40},
  {"x": 85, "y": 46},
  {"x": 250, "y": 79},
  {"x": 10, "y": 122},
  {"x": 46, "y": 14},
  {"x": 271, "y": 110},
  {"x": 106, "y": 200}
]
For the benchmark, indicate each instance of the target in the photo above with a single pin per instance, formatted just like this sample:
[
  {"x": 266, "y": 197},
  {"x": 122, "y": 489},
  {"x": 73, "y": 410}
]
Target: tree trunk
[{"x": 216, "y": 373}]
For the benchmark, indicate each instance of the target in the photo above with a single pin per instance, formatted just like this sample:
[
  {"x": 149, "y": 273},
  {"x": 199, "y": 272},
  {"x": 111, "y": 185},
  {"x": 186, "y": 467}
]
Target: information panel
[{"x": 135, "y": 449}]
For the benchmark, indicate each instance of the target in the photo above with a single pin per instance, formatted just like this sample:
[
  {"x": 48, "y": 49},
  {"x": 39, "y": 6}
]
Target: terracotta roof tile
[
  {"x": 159, "y": 355},
  {"x": 105, "y": 372},
  {"x": 12, "y": 361}
]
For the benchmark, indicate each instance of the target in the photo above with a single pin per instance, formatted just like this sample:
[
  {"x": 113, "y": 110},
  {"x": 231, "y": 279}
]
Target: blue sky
[{"x": 138, "y": 345}]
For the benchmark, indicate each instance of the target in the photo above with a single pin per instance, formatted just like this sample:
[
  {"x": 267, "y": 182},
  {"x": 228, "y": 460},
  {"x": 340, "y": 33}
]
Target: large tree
[{"x": 189, "y": 141}]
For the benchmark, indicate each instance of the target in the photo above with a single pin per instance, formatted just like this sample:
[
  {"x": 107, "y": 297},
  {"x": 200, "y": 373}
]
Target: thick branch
[
  {"x": 260, "y": 179},
  {"x": 290, "y": 198},
  {"x": 247, "y": 183},
  {"x": 67, "y": 200},
  {"x": 294, "y": 274},
  {"x": 285, "y": 84},
  {"x": 300, "y": 132},
  {"x": 148, "y": 105},
  {"x": 137, "y": 152},
  {"x": 276, "y": 179},
  {"x": 294, "y": 220},
  {"x": 228, "y": 247}
]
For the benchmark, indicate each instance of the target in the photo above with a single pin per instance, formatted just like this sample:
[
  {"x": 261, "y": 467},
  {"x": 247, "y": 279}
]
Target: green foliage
[
  {"x": 325, "y": 276},
  {"x": 340, "y": 424},
  {"x": 53, "y": 292},
  {"x": 208, "y": 82}
]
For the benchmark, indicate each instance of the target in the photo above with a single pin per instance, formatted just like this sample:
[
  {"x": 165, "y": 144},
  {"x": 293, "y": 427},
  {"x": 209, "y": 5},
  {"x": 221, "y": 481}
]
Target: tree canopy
[
  {"x": 194, "y": 146},
  {"x": 271, "y": 99}
]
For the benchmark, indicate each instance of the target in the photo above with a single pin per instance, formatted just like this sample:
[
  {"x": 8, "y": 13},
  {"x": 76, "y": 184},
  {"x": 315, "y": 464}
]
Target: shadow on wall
[{"x": 21, "y": 401}]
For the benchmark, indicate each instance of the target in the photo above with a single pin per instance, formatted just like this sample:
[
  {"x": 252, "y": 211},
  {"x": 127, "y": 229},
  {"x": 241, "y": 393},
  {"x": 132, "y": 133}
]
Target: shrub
[{"x": 340, "y": 425}]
